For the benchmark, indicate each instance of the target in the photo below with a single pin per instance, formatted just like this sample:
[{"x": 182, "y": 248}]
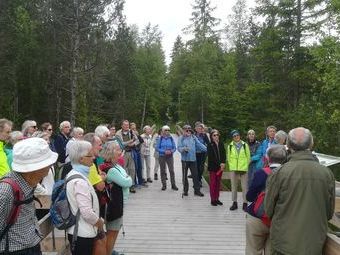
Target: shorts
[{"x": 114, "y": 225}]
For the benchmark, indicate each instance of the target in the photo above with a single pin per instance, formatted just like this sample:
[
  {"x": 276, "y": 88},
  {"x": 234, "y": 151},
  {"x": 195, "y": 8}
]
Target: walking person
[
  {"x": 216, "y": 165},
  {"x": 238, "y": 161},
  {"x": 300, "y": 199},
  {"x": 166, "y": 147},
  {"x": 188, "y": 144}
]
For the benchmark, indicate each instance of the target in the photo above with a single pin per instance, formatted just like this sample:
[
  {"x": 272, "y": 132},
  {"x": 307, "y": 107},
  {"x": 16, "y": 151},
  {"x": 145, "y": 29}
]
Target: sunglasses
[
  {"x": 235, "y": 135},
  {"x": 49, "y": 129},
  {"x": 215, "y": 135},
  {"x": 166, "y": 129}
]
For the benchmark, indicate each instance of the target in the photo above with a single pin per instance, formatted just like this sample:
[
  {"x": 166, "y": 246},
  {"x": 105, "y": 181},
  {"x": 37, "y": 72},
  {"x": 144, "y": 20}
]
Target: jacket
[
  {"x": 4, "y": 168},
  {"x": 238, "y": 161},
  {"x": 216, "y": 156},
  {"x": 165, "y": 143},
  {"x": 188, "y": 145},
  {"x": 260, "y": 156},
  {"x": 300, "y": 200}
]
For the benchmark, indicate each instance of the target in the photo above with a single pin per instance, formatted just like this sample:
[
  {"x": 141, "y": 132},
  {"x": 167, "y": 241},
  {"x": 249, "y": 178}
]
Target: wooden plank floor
[{"x": 161, "y": 222}]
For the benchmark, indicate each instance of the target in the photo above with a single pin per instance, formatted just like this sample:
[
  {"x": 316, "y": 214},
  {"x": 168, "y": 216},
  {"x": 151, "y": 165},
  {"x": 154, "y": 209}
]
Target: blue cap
[{"x": 234, "y": 132}]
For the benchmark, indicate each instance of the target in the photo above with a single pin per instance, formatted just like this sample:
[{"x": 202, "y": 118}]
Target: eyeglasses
[
  {"x": 166, "y": 129},
  {"x": 188, "y": 130},
  {"x": 215, "y": 135},
  {"x": 49, "y": 129},
  {"x": 235, "y": 135},
  {"x": 35, "y": 127}
]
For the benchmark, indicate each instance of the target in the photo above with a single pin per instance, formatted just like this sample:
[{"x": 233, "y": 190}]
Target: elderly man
[
  {"x": 300, "y": 199},
  {"x": 32, "y": 159},
  {"x": 5, "y": 130},
  {"x": 61, "y": 141}
]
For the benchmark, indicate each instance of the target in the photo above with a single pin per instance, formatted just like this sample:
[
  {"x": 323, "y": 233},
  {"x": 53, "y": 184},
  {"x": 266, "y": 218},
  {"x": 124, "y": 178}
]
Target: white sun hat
[{"x": 32, "y": 154}]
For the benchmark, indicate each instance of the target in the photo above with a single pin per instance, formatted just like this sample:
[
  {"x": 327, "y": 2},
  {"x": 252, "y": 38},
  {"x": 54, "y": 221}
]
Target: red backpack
[{"x": 259, "y": 203}]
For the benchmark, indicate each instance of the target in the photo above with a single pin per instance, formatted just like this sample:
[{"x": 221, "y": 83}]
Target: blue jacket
[
  {"x": 188, "y": 146},
  {"x": 165, "y": 143},
  {"x": 261, "y": 152}
]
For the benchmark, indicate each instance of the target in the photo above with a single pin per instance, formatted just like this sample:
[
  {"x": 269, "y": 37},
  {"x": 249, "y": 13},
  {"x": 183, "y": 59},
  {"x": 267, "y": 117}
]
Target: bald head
[{"x": 300, "y": 139}]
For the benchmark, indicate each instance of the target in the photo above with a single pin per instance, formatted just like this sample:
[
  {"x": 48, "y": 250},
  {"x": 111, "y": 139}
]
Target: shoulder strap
[
  {"x": 267, "y": 170},
  {"x": 230, "y": 147},
  {"x": 74, "y": 176}
]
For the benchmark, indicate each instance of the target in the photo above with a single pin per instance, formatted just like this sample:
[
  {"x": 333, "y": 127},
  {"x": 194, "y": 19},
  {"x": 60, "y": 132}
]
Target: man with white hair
[
  {"x": 32, "y": 159},
  {"x": 300, "y": 199},
  {"x": 61, "y": 140}
]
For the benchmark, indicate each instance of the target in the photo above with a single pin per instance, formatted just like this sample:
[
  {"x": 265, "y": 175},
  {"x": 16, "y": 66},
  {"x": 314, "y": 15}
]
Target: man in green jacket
[
  {"x": 5, "y": 130},
  {"x": 300, "y": 199}
]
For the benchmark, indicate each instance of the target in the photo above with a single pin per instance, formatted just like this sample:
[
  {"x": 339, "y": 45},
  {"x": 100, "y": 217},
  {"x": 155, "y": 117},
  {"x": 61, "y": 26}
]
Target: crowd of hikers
[{"x": 287, "y": 195}]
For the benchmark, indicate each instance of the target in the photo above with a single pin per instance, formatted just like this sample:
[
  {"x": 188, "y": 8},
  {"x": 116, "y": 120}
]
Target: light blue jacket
[
  {"x": 192, "y": 144},
  {"x": 261, "y": 153},
  {"x": 118, "y": 175},
  {"x": 165, "y": 143}
]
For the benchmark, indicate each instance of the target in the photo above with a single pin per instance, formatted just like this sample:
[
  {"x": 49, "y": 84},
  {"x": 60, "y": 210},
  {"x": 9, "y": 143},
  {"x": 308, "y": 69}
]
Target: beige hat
[{"x": 32, "y": 154}]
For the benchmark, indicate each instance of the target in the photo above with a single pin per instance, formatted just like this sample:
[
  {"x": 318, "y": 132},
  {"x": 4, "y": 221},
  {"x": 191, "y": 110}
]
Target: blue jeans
[{"x": 138, "y": 166}]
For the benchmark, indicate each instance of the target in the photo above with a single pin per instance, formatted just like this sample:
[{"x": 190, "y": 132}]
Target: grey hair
[
  {"x": 277, "y": 153},
  {"x": 62, "y": 124},
  {"x": 146, "y": 127},
  {"x": 15, "y": 137},
  {"x": 300, "y": 139},
  {"x": 101, "y": 131},
  {"x": 78, "y": 149},
  {"x": 90, "y": 137},
  {"x": 165, "y": 127},
  {"x": 108, "y": 150},
  {"x": 4, "y": 122},
  {"x": 26, "y": 125},
  {"x": 281, "y": 137},
  {"x": 77, "y": 131},
  {"x": 271, "y": 127},
  {"x": 40, "y": 134}
]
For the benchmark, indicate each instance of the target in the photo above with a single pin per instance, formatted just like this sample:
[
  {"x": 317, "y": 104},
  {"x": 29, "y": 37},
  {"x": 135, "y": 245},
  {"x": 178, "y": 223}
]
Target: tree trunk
[{"x": 144, "y": 110}]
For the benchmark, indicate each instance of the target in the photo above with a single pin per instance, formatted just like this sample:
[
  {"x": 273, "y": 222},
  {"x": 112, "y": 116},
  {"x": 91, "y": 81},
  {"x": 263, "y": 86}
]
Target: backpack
[
  {"x": 15, "y": 211},
  {"x": 60, "y": 211},
  {"x": 259, "y": 203}
]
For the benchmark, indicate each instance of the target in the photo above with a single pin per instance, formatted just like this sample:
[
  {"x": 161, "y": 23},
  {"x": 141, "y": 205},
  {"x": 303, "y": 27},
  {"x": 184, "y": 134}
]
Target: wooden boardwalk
[{"x": 161, "y": 222}]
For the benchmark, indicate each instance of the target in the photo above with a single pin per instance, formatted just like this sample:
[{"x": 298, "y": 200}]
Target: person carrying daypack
[
  {"x": 19, "y": 230},
  {"x": 258, "y": 223}
]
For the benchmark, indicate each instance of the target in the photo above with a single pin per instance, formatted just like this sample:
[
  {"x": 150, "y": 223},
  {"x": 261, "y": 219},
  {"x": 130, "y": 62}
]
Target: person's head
[
  {"x": 215, "y": 135},
  {"x": 29, "y": 127},
  {"x": 235, "y": 134},
  {"x": 102, "y": 132},
  {"x": 270, "y": 132},
  {"x": 187, "y": 130},
  {"x": 199, "y": 127},
  {"x": 112, "y": 129},
  {"x": 133, "y": 126},
  {"x": 281, "y": 137},
  {"x": 47, "y": 127},
  {"x": 300, "y": 139},
  {"x": 166, "y": 130},
  {"x": 32, "y": 158},
  {"x": 77, "y": 133},
  {"x": 125, "y": 125},
  {"x": 80, "y": 152},
  {"x": 15, "y": 137},
  {"x": 95, "y": 142},
  {"x": 5, "y": 129},
  {"x": 251, "y": 136},
  {"x": 147, "y": 130},
  {"x": 111, "y": 152},
  {"x": 41, "y": 134},
  {"x": 277, "y": 153},
  {"x": 65, "y": 127}
]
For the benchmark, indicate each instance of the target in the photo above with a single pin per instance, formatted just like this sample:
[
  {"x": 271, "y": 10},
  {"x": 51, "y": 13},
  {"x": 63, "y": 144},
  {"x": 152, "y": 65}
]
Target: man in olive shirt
[{"x": 300, "y": 199}]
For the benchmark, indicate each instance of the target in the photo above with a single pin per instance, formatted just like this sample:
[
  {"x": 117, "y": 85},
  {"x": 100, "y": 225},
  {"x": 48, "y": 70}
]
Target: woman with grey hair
[
  {"x": 257, "y": 229},
  {"x": 120, "y": 183},
  {"x": 145, "y": 152},
  {"x": 28, "y": 128},
  {"x": 77, "y": 133},
  {"x": 82, "y": 196},
  {"x": 281, "y": 137},
  {"x": 14, "y": 137}
]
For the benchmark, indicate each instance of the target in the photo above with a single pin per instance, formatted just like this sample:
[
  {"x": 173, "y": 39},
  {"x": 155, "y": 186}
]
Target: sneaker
[
  {"x": 213, "y": 203},
  {"x": 143, "y": 180},
  {"x": 132, "y": 190},
  {"x": 244, "y": 207},
  {"x": 219, "y": 202},
  {"x": 199, "y": 193},
  {"x": 155, "y": 177},
  {"x": 185, "y": 194},
  {"x": 174, "y": 187},
  {"x": 233, "y": 207},
  {"x": 149, "y": 180},
  {"x": 164, "y": 188},
  {"x": 189, "y": 176}
]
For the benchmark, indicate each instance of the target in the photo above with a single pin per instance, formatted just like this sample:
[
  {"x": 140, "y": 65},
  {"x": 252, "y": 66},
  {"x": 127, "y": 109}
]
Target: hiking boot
[
  {"x": 213, "y": 203},
  {"x": 219, "y": 202},
  {"x": 185, "y": 194},
  {"x": 233, "y": 207},
  {"x": 199, "y": 193},
  {"x": 244, "y": 207},
  {"x": 190, "y": 176},
  {"x": 163, "y": 187},
  {"x": 155, "y": 177},
  {"x": 132, "y": 190},
  {"x": 143, "y": 180},
  {"x": 149, "y": 180},
  {"x": 174, "y": 187}
]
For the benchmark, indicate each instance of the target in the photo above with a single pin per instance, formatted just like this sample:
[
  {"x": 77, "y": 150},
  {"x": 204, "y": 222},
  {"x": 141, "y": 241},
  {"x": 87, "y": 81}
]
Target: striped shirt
[{"x": 25, "y": 231}]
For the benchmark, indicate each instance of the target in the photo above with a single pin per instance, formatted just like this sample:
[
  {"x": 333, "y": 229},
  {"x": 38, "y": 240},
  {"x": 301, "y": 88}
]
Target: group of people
[{"x": 298, "y": 192}]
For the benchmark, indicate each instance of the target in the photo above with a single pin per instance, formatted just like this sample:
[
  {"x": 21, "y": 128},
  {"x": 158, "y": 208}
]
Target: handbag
[{"x": 99, "y": 245}]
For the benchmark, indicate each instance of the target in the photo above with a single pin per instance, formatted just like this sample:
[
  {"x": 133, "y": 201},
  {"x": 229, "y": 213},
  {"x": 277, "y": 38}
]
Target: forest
[{"x": 79, "y": 60}]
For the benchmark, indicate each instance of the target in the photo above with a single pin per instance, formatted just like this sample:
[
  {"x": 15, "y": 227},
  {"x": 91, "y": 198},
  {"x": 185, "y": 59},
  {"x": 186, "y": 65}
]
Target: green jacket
[
  {"x": 300, "y": 199},
  {"x": 238, "y": 161},
  {"x": 4, "y": 168}
]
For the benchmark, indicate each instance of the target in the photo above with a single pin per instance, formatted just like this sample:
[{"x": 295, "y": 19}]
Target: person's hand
[
  {"x": 100, "y": 224},
  {"x": 103, "y": 175},
  {"x": 222, "y": 165},
  {"x": 168, "y": 152},
  {"x": 186, "y": 149}
]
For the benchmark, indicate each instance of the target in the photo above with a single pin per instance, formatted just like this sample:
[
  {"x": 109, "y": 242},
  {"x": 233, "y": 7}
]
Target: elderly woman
[
  {"x": 120, "y": 183},
  {"x": 146, "y": 153},
  {"x": 82, "y": 196},
  {"x": 257, "y": 231},
  {"x": 28, "y": 128},
  {"x": 14, "y": 137},
  {"x": 281, "y": 137}
]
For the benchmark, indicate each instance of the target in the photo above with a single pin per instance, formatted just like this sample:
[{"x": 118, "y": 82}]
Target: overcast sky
[{"x": 171, "y": 16}]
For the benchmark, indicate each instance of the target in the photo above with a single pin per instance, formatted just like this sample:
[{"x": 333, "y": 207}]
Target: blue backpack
[{"x": 61, "y": 214}]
